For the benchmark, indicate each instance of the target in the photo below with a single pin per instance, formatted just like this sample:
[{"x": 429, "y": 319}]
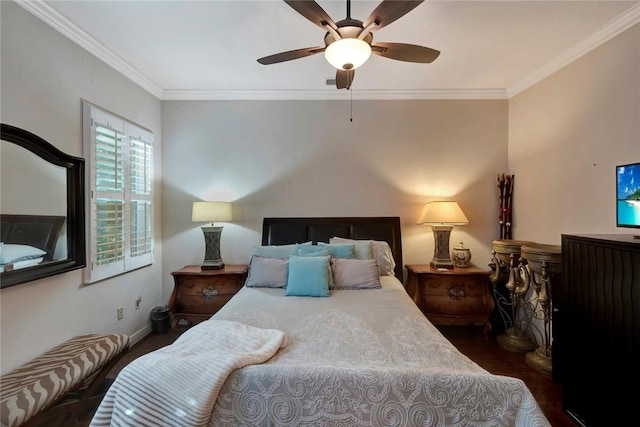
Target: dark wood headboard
[
  {"x": 40, "y": 231},
  {"x": 283, "y": 231}
]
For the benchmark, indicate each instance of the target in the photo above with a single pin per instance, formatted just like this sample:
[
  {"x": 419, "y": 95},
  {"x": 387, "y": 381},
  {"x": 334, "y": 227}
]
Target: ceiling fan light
[{"x": 347, "y": 54}]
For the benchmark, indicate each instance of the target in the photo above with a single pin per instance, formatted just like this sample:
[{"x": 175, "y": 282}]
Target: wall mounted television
[{"x": 628, "y": 195}]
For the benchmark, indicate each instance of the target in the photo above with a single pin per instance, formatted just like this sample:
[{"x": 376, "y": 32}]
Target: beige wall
[
  {"x": 567, "y": 134},
  {"x": 305, "y": 158},
  {"x": 277, "y": 158},
  {"x": 44, "y": 78}
]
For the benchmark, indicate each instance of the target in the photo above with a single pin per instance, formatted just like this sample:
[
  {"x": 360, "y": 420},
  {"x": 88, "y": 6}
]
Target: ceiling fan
[{"x": 348, "y": 43}]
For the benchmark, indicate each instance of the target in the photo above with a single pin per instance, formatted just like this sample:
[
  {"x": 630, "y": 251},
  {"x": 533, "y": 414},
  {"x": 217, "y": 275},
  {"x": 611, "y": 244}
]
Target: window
[{"x": 119, "y": 157}]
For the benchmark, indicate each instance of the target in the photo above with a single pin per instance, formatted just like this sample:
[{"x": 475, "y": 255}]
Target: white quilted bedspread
[
  {"x": 177, "y": 385},
  {"x": 362, "y": 358}
]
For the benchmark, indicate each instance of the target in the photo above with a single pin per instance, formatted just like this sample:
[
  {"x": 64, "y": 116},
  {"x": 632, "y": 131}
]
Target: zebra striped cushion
[{"x": 37, "y": 384}]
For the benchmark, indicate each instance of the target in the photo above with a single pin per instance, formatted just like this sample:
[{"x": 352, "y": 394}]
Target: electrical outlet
[
  {"x": 138, "y": 302},
  {"x": 120, "y": 313}
]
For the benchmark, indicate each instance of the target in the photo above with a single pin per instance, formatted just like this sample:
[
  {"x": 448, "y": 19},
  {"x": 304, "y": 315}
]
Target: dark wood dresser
[
  {"x": 459, "y": 296},
  {"x": 596, "y": 328},
  {"x": 198, "y": 294}
]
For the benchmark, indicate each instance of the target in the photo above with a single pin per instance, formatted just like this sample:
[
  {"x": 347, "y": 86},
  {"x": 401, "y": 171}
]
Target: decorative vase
[{"x": 461, "y": 256}]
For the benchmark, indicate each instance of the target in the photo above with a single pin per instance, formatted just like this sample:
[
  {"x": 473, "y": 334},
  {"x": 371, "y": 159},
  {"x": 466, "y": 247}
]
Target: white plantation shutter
[{"x": 120, "y": 169}]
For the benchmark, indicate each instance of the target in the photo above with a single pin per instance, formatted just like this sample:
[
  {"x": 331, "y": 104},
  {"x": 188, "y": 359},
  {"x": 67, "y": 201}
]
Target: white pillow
[
  {"x": 355, "y": 274},
  {"x": 381, "y": 252},
  {"x": 11, "y": 253}
]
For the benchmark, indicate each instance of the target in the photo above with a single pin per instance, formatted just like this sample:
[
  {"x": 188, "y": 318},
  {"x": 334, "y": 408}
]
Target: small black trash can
[{"x": 160, "y": 319}]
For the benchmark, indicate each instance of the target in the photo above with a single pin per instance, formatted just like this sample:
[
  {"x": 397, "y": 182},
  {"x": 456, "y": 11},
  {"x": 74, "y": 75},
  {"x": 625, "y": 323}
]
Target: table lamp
[
  {"x": 210, "y": 212},
  {"x": 442, "y": 216}
]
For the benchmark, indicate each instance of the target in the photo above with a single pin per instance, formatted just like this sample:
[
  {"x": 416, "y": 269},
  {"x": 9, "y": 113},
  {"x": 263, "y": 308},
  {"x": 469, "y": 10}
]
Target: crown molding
[
  {"x": 67, "y": 28},
  {"x": 330, "y": 94},
  {"x": 623, "y": 22},
  {"x": 61, "y": 24}
]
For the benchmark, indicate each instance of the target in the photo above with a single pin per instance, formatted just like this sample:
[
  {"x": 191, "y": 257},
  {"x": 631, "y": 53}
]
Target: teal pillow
[
  {"x": 363, "y": 249},
  {"x": 276, "y": 251},
  {"x": 317, "y": 252},
  {"x": 339, "y": 250},
  {"x": 310, "y": 250},
  {"x": 308, "y": 276}
]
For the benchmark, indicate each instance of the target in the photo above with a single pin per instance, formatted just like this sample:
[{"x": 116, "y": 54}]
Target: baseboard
[{"x": 138, "y": 335}]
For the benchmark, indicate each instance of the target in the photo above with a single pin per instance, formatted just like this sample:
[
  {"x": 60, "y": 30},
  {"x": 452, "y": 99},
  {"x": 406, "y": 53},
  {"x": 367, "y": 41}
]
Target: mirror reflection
[
  {"x": 42, "y": 208},
  {"x": 29, "y": 185}
]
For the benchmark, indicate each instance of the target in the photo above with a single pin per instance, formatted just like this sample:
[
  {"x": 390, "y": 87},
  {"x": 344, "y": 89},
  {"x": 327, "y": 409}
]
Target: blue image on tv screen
[{"x": 628, "y": 195}]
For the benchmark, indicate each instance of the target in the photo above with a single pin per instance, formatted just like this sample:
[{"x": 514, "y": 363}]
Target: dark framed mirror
[{"x": 42, "y": 211}]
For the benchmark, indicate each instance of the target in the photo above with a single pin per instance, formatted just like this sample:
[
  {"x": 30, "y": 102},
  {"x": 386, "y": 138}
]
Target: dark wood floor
[
  {"x": 486, "y": 353},
  {"x": 489, "y": 355}
]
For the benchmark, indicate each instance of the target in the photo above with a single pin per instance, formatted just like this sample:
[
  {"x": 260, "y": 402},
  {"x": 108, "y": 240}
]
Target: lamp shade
[
  {"x": 348, "y": 53},
  {"x": 443, "y": 213},
  {"x": 211, "y": 211}
]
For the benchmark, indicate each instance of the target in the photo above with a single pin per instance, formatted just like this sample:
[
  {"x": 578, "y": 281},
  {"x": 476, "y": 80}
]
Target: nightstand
[
  {"x": 198, "y": 294},
  {"x": 452, "y": 297}
]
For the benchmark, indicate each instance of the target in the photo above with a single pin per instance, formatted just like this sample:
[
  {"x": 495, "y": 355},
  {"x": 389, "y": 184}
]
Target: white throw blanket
[{"x": 178, "y": 385}]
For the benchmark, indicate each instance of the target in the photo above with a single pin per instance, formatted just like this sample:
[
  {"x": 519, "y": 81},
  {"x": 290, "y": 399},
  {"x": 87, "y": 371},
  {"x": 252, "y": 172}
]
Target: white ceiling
[{"x": 208, "y": 49}]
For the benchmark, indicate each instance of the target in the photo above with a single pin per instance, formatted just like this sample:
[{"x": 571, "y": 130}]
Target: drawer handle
[
  {"x": 209, "y": 292},
  {"x": 457, "y": 293}
]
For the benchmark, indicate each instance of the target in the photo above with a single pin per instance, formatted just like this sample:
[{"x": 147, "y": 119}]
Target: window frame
[{"x": 122, "y": 257}]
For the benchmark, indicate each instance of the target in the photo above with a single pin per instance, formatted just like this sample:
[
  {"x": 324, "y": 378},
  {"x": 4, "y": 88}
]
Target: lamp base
[
  {"x": 212, "y": 265},
  {"x": 212, "y": 258},
  {"x": 439, "y": 265},
  {"x": 441, "y": 255}
]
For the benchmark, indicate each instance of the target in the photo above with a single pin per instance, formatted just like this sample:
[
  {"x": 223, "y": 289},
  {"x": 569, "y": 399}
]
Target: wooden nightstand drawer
[
  {"x": 198, "y": 294},
  {"x": 468, "y": 286},
  {"x": 455, "y": 304},
  {"x": 453, "y": 297},
  {"x": 205, "y": 295}
]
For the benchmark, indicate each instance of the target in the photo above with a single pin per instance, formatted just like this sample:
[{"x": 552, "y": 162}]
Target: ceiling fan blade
[
  {"x": 289, "y": 55},
  {"x": 389, "y": 11},
  {"x": 313, "y": 12},
  {"x": 344, "y": 78},
  {"x": 405, "y": 52}
]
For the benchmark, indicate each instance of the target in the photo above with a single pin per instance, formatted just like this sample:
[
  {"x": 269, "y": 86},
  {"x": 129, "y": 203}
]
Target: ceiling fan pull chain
[{"x": 351, "y": 94}]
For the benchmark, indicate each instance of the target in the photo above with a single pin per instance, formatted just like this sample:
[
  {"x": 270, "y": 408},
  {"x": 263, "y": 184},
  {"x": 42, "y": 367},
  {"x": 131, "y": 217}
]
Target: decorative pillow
[
  {"x": 381, "y": 252},
  {"x": 319, "y": 251},
  {"x": 361, "y": 248},
  {"x": 267, "y": 272},
  {"x": 311, "y": 250},
  {"x": 276, "y": 251},
  {"x": 308, "y": 276},
  {"x": 356, "y": 274},
  {"x": 11, "y": 253},
  {"x": 339, "y": 250}
]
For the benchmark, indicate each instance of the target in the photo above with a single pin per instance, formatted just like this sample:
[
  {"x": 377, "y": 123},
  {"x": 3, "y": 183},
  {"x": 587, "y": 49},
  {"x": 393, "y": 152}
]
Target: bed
[
  {"x": 361, "y": 355},
  {"x": 28, "y": 240}
]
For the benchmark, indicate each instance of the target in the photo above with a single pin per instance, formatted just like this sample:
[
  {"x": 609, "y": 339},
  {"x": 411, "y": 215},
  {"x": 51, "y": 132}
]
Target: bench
[{"x": 62, "y": 385}]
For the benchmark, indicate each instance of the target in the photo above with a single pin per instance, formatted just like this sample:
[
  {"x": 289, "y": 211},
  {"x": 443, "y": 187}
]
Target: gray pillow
[
  {"x": 355, "y": 274},
  {"x": 380, "y": 251},
  {"x": 267, "y": 272}
]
